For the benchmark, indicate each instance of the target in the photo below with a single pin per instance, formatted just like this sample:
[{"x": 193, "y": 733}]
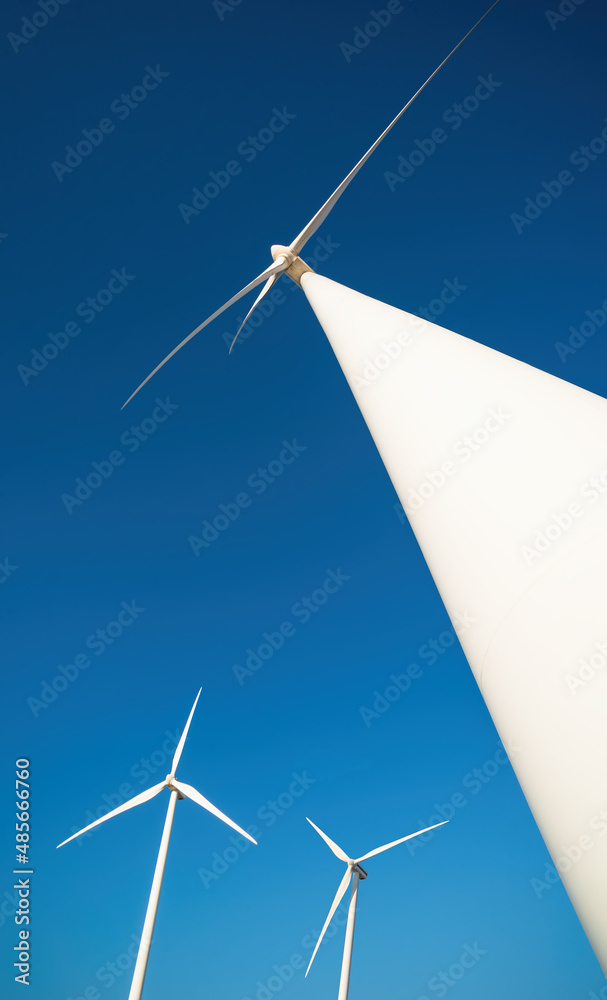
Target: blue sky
[{"x": 200, "y": 80}]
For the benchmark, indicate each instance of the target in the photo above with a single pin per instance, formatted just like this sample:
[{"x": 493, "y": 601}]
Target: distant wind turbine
[
  {"x": 179, "y": 790},
  {"x": 355, "y": 872}
]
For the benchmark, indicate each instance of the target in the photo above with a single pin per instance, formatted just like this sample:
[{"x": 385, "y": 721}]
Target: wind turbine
[
  {"x": 513, "y": 527},
  {"x": 179, "y": 790},
  {"x": 354, "y": 872}
]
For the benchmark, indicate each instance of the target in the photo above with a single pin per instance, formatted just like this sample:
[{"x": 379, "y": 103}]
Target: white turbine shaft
[
  {"x": 346, "y": 964},
  {"x": 150, "y": 916},
  {"x": 501, "y": 470}
]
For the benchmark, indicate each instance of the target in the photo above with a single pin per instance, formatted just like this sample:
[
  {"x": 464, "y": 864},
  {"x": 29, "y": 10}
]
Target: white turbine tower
[
  {"x": 355, "y": 872},
  {"x": 179, "y": 790},
  {"x": 501, "y": 469}
]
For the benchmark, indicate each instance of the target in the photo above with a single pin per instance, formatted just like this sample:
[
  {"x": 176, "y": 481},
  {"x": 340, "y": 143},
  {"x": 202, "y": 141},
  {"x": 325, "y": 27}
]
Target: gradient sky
[{"x": 219, "y": 76}]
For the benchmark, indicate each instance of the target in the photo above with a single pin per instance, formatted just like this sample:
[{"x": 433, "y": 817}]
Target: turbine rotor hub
[
  {"x": 278, "y": 250},
  {"x": 296, "y": 266}
]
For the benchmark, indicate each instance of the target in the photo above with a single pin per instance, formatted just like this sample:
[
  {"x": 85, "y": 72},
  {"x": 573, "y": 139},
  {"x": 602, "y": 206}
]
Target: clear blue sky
[{"x": 199, "y": 82}]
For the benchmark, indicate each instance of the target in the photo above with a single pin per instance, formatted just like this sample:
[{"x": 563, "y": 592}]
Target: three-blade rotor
[
  {"x": 284, "y": 260},
  {"x": 185, "y": 791},
  {"x": 352, "y": 863}
]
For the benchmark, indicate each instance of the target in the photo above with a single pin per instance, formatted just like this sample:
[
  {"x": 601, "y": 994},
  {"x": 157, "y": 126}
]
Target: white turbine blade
[
  {"x": 300, "y": 241},
  {"x": 337, "y": 851},
  {"x": 266, "y": 288},
  {"x": 275, "y": 268},
  {"x": 136, "y": 801},
  {"x": 386, "y": 847},
  {"x": 184, "y": 734},
  {"x": 191, "y": 793},
  {"x": 343, "y": 885}
]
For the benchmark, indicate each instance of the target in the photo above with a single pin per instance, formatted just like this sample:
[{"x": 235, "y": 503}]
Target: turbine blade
[
  {"x": 136, "y": 801},
  {"x": 191, "y": 793},
  {"x": 266, "y": 288},
  {"x": 386, "y": 847},
  {"x": 300, "y": 241},
  {"x": 343, "y": 885},
  {"x": 337, "y": 851},
  {"x": 275, "y": 268},
  {"x": 184, "y": 734}
]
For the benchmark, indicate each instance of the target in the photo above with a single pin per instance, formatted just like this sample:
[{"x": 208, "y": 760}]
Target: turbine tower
[
  {"x": 502, "y": 472},
  {"x": 354, "y": 872},
  {"x": 179, "y": 790}
]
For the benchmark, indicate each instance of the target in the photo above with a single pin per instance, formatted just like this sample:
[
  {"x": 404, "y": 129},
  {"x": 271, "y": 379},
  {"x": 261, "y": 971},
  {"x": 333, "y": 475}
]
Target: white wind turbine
[
  {"x": 355, "y": 872},
  {"x": 179, "y": 790},
  {"x": 515, "y": 538}
]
